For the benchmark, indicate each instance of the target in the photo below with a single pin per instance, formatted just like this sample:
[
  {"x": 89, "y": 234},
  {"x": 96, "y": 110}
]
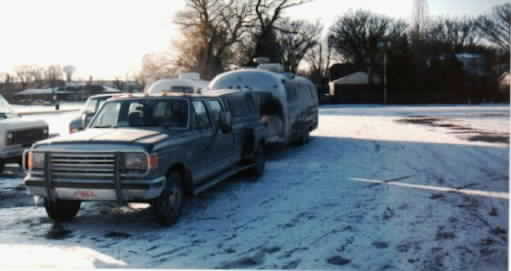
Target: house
[
  {"x": 355, "y": 88},
  {"x": 505, "y": 82}
]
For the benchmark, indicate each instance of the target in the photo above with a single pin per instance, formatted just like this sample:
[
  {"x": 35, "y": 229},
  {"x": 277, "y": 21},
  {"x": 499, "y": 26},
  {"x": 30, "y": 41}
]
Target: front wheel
[
  {"x": 168, "y": 205},
  {"x": 259, "y": 162},
  {"x": 62, "y": 210}
]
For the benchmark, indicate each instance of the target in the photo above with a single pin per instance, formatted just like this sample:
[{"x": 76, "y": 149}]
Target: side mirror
[{"x": 225, "y": 122}]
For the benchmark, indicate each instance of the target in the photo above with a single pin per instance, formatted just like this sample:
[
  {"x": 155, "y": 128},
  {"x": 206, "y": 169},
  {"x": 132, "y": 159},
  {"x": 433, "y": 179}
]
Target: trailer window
[{"x": 291, "y": 91}]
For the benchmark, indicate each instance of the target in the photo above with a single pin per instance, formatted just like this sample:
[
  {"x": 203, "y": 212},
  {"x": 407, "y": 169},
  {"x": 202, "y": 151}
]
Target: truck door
[
  {"x": 204, "y": 163},
  {"x": 224, "y": 142}
]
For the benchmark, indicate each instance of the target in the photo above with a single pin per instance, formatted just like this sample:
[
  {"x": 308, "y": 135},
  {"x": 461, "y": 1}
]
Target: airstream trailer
[
  {"x": 288, "y": 104},
  {"x": 185, "y": 83}
]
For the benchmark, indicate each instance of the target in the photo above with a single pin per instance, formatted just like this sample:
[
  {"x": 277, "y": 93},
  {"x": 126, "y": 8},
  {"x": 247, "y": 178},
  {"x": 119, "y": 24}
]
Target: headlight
[
  {"x": 35, "y": 160},
  {"x": 135, "y": 161},
  {"x": 45, "y": 132}
]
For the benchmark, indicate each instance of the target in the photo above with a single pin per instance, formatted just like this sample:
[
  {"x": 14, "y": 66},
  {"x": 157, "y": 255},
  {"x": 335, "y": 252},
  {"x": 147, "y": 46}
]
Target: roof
[
  {"x": 467, "y": 55},
  {"x": 357, "y": 78},
  {"x": 42, "y": 91},
  {"x": 168, "y": 84},
  {"x": 247, "y": 79},
  {"x": 505, "y": 79},
  {"x": 209, "y": 93}
]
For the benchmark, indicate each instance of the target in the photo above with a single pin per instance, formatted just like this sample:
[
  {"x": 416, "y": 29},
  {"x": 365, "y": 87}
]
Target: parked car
[
  {"x": 87, "y": 112},
  {"x": 149, "y": 149},
  {"x": 288, "y": 103},
  {"x": 17, "y": 133}
]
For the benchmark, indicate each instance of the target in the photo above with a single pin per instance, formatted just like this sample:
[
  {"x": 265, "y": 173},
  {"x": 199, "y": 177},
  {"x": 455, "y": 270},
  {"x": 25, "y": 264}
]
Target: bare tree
[
  {"x": 452, "y": 34},
  {"x": 496, "y": 27},
  {"x": 356, "y": 35},
  {"x": 209, "y": 29},
  {"x": 5, "y": 80},
  {"x": 156, "y": 66},
  {"x": 53, "y": 74},
  {"x": 267, "y": 15},
  {"x": 319, "y": 59},
  {"x": 118, "y": 84},
  {"x": 69, "y": 70},
  {"x": 23, "y": 75},
  {"x": 296, "y": 38},
  {"x": 36, "y": 74}
]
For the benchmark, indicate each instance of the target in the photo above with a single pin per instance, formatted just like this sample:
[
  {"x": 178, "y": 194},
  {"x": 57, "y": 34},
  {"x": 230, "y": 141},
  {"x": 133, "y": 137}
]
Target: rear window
[{"x": 201, "y": 115}]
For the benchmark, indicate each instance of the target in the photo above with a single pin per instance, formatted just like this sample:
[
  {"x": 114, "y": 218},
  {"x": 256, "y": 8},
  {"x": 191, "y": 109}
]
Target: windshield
[
  {"x": 5, "y": 109},
  {"x": 93, "y": 105},
  {"x": 171, "y": 113}
]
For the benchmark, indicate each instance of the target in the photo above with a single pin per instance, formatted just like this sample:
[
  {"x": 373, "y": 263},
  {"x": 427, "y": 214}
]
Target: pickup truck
[
  {"x": 152, "y": 148},
  {"x": 17, "y": 134}
]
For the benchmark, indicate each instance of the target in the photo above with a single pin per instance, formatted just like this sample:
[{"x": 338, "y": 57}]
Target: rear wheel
[
  {"x": 168, "y": 205},
  {"x": 62, "y": 210},
  {"x": 2, "y": 163},
  {"x": 304, "y": 138}
]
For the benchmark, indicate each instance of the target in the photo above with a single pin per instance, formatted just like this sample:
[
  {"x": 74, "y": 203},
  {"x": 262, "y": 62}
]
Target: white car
[{"x": 17, "y": 134}]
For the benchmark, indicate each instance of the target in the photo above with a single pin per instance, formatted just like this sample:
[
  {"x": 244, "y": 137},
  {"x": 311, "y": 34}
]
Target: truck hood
[
  {"x": 117, "y": 135},
  {"x": 21, "y": 124}
]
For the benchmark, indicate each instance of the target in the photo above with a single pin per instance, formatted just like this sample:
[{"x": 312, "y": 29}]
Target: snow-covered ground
[{"x": 377, "y": 188}]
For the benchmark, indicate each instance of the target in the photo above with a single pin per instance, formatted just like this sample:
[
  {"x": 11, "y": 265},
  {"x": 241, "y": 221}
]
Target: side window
[
  {"x": 291, "y": 92},
  {"x": 201, "y": 115},
  {"x": 214, "y": 109},
  {"x": 108, "y": 116},
  {"x": 311, "y": 91}
]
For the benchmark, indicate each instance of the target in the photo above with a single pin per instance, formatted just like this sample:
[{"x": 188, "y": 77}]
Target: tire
[
  {"x": 168, "y": 205},
  {"x": 2, "y": 164},
  {"x": 62, "y": 210},
  {"x": 259, "y": 160},
  {"x": 304, "y": 139}
]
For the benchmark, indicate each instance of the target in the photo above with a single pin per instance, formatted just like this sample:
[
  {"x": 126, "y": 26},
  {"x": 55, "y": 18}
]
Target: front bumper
[{"x": 128, "y": 189}]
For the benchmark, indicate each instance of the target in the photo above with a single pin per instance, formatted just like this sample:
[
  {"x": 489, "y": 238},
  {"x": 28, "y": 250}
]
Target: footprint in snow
[{"x": 338, "y": 260}]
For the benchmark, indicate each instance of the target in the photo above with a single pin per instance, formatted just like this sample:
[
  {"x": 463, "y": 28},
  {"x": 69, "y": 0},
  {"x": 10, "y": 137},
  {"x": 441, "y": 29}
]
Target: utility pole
[
  {"x": 384, "y": 45},
  {"x": 385, "y": 75}
]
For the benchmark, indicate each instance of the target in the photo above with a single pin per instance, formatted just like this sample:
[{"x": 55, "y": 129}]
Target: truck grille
[
  {"x": 27, "y": 137},
  {"x": 82, "y": 166}
]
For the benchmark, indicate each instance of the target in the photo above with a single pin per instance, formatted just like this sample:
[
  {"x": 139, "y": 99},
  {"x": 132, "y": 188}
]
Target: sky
[{"x": 108, "y": 39}]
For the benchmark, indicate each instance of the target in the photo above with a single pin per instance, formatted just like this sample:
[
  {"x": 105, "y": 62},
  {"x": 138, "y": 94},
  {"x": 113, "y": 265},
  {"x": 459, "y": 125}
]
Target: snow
[
  {"x": 20, "y": 109},
  {"x": 368, "y": 192}
]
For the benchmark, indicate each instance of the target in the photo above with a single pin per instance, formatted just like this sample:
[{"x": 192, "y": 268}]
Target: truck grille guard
[{"x": 103, "y": 166}]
